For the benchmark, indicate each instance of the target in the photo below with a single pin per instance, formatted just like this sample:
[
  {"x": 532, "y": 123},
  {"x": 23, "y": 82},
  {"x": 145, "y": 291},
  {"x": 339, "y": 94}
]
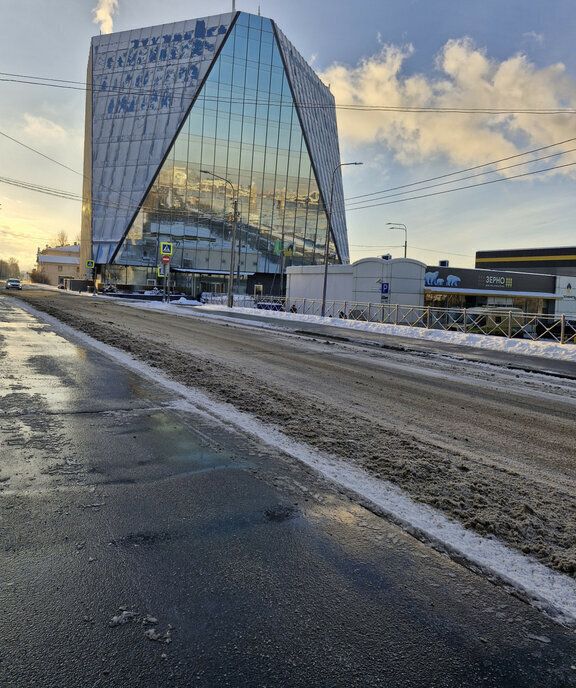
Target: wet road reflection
[{"x": 148, "y": 545}]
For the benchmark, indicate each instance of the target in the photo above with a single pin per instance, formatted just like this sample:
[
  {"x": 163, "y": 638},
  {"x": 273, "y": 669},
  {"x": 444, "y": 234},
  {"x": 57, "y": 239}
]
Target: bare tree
[
  {"x": 13, "y": 268},
  {"x": 62, "y": 238}
]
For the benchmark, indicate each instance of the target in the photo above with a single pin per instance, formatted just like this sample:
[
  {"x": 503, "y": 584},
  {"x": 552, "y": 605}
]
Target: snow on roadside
[
  {"x": 549, "y": 590},
  {"x": 528, "y": 347},
  {"x": 566, "y": 352}
]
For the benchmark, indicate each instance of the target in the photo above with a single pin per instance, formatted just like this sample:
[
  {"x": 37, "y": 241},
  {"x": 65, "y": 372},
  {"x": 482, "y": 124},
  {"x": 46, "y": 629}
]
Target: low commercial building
[
  {"x": 559, "y": 261},
  {"x": 450, "y": 287},
  {"x": 58, "y": 263},
  {"x": 407, "y": 282}
]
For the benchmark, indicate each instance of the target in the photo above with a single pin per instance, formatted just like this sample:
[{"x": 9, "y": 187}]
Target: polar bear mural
[
  {"x": 453, "y": 281},
  {"x": 430, "y": 278}
]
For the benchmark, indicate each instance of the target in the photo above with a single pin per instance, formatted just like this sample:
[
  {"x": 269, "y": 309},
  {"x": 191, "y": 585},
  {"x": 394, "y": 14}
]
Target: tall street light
[
  {"x": 327, "y": 246},
  {"x": 399, "y": 225},
  {"x": 233, "y": 240}
]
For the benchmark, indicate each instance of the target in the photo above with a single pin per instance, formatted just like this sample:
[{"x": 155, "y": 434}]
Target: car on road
[{"x": 13, "y": 284}]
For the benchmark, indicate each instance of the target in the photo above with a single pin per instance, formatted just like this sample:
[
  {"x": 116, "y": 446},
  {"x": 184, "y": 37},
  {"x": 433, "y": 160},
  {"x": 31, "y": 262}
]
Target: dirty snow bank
[{"x": 566, "y": 352}]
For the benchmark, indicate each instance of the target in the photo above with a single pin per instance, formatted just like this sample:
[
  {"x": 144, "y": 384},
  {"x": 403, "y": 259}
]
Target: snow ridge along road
[{"x": 491, "y": 449}]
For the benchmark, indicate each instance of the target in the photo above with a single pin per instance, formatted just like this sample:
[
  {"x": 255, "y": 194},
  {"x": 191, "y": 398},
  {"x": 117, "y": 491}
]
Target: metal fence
[{"x": 496, "y": 321}]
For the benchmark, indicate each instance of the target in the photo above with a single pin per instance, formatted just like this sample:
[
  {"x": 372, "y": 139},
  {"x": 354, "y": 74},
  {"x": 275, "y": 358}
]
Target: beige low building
[
  {"x": 58, "y": 263},
  {"x": 368, "y": 280}
]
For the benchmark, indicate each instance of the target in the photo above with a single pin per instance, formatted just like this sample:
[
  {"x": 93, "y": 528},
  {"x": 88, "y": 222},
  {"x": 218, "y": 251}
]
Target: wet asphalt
[{"x": 145, "y": 543}]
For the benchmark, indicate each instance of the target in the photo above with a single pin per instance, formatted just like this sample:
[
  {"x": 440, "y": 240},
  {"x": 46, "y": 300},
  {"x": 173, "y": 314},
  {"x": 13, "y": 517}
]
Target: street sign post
[
  {"x": 166, "y": 270},
  {"x": 384, "y": 292},
  {"x": 90, "y": 264}
]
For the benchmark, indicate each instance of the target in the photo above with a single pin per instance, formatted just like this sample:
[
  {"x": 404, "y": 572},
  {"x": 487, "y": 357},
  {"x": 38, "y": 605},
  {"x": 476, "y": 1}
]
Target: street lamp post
[
  {"x": 327, "y": 245},
  {"x": 399, "y": 225},
  {"x": 233, "y": 238}
]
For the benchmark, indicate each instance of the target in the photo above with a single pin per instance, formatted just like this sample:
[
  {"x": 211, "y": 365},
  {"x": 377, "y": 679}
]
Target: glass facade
[{"x": 260, "y": 132}]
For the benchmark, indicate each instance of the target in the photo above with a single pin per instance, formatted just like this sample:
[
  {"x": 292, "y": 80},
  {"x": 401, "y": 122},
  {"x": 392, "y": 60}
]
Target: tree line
[{"x": 9, "y": 268}]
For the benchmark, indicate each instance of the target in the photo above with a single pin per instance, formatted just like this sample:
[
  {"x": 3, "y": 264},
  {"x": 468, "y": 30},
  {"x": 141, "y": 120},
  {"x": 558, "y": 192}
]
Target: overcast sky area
[{"x": 437, "y": 88}]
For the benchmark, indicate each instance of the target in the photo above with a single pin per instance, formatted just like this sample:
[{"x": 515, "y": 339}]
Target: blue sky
[{"x": 508, "y": 55}]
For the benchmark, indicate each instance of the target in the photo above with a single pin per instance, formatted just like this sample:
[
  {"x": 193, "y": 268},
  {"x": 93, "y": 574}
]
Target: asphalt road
[
  {"x": 488, "y": 445},
  {"x": 229, "y": 564},
  {"x": 515, "y": 361}
]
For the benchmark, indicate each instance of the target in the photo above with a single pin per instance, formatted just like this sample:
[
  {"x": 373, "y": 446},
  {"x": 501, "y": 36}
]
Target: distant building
[
  {"x": 184, "y": 118},
  {"x": 59, "y": 263},
  {"x": 560, "y": 262},
  {"x": 551, "y": 261},
  {"x": 407, "y": 282}
]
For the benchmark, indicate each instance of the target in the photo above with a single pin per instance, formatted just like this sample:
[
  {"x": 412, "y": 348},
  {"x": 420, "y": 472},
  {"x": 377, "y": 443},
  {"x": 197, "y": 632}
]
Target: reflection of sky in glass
[
  {"x": 244, "y": 128},
  {"x": 142, "y": 83}
]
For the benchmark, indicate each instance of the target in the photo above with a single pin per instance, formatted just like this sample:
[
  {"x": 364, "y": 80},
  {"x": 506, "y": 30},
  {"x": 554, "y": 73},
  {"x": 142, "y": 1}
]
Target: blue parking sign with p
[
  {"x": 385, "y": 287},
  {"x": 166, "y": 249}
]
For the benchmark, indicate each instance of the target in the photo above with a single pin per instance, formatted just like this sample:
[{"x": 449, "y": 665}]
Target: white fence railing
[{"x": 498, "y": 321}]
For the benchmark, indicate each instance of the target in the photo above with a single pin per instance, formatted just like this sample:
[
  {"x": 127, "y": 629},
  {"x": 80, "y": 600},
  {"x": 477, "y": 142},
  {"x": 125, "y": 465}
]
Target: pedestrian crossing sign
[
  {"x": 90, "y": 264},
  {"x": 166, "y": 249}
]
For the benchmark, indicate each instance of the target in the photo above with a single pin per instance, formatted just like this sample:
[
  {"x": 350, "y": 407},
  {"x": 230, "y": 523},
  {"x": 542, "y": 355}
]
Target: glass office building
[{"x": 187, "y": 123}]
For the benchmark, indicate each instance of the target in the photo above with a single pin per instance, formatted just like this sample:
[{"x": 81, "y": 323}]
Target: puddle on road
[
  {"x": 66, "y": 375},
  {"x": 174, "y": 443}
]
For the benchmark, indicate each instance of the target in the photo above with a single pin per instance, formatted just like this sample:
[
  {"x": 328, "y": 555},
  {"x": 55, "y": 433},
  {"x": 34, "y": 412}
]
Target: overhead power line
[
  {"x": 469, "y": 186},
  {"x": 463, "y": 171},
  {"x": 172, "y": 89},
  {"x": 368, "y": 204},
  {"x": 56, "y": 162},
  {"x": 60, "y": 164},
  {"x": 418, "y": 248},
  {"x": 78, "y": 197},
  {"x": 471, "y": 176}
]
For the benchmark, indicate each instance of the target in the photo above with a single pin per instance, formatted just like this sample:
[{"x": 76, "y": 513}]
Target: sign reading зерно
[{"x": 496, "y": 280}]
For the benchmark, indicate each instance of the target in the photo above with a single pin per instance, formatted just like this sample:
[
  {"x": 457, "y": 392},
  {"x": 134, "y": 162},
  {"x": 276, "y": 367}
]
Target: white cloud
[
  {"x": 103, "y": 15},
  {"x": 466, "y": 77},
  {"x": 42, "y": 129},
  {"x": 533, "y": 36}
]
